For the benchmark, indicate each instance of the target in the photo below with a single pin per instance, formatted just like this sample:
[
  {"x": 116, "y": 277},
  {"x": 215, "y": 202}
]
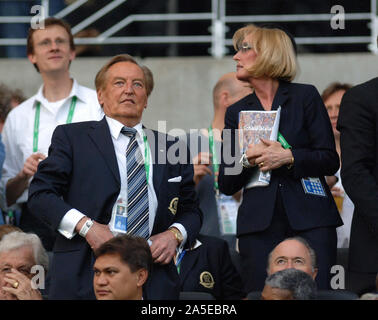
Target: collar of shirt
[
  {"x": 75, "y": 91},
  {"x": 115, "y": 129},
  {"x": 179, "y": 250},
  {"x": 196, "y": 245}
]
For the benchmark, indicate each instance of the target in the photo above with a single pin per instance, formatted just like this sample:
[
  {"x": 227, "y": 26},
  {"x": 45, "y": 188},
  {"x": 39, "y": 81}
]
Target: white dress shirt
[
  {"x": 343, "y": 232},
  {"x": 19, "y": 127},
  {"x": 120, "y": 142}
]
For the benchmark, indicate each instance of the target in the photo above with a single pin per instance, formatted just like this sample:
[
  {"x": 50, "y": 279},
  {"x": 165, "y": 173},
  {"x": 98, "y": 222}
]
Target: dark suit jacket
[
  {"x": 306, "y": 127},
  {"x": 212, "y": 257},
  {"x": 81, "y": 172},
  {"x": 358, "y": 119}
]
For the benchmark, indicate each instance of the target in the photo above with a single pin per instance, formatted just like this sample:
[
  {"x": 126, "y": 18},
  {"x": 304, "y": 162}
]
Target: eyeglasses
[
  {"x": 244, "y": 47},
  {"x": 47, "y": 42}
]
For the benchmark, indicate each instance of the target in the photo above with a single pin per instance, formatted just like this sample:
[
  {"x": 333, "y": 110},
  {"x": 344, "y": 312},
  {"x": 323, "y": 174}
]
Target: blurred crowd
[{"x": 89, "y": 212}]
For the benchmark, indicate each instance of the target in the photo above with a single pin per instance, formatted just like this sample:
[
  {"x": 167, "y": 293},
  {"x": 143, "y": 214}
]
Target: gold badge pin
[
  {"x": 207, "y": 280},
  {"x": 173, "y": 205}
]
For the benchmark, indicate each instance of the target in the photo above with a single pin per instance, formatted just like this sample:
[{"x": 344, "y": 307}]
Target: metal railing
[{"x": 218, "y": 20}]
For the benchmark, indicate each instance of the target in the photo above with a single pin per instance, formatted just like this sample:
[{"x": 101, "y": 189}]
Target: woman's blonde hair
[{"x": 275, "y": 52}]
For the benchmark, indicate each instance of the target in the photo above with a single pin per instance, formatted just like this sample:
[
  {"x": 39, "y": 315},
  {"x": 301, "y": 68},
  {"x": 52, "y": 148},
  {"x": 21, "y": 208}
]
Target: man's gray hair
[
  {"x": 314, "y": 263},
  {"x": 17, "y": 239},
  {"x": 298, "y": 282}
]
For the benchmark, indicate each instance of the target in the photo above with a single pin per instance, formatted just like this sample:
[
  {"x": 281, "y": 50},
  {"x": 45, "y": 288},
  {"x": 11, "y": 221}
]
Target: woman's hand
[
  {"x": 272, "y": 155},
  {"x": 253, "y": 152},
  {"x": 21, "y": 286}
]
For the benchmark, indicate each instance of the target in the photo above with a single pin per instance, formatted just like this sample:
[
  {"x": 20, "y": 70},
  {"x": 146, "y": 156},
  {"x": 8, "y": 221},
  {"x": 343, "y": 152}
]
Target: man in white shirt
[
  {"x": 110, "y": 177},
  {"x": 29, "y": 127}
]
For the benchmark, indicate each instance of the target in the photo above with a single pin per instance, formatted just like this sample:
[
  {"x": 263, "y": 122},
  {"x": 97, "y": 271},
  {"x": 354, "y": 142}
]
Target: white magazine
[{"x": 254, "y": 125}]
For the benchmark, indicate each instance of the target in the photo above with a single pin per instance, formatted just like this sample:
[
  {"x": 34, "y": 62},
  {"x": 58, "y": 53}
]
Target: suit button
[{"x": 280, "y": 185}]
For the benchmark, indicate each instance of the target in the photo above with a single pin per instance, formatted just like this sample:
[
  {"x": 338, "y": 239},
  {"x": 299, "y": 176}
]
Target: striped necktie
[{"x": 137, "y": 188}]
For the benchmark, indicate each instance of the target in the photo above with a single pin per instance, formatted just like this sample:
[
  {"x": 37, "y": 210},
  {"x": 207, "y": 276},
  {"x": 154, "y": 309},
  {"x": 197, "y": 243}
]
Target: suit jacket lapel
[
  {"x": 281, "y": 96},
  {"x": 279, "y": 99},
  {"x": 100, "y": 135}
]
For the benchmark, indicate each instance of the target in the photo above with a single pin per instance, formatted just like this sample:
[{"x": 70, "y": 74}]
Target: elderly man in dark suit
[
  {"x": 97, "y": 171},
  {"x": 357, "y": 124}
]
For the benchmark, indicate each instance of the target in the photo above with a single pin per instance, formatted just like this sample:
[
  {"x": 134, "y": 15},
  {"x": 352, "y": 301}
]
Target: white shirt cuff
[
  {"x": 181, "y": 228},
  {"x": 69, "y": 222}
]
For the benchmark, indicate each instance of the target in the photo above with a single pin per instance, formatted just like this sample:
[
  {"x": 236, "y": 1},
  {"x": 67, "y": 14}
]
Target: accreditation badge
[
  {"x": 119, "y": 213},
  {"x": 313, "y": 186},
  {"x": 227, "y": 214}
]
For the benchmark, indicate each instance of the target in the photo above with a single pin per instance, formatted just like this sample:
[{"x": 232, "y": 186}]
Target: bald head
[
  {"x": 293, "y": 253},
  {"x": 229, "y": 90}
]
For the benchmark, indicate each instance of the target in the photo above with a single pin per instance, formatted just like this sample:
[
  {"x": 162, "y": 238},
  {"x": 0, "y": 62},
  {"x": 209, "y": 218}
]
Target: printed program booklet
[{"x": 254, "y": 125}]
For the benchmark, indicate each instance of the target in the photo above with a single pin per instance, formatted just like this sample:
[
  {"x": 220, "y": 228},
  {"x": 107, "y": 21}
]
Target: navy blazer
[
  {"x": 81, "y": 172},
  {"x": 358, "y": 127},
  {"x": 306, "y": 127},
  {"x": 209, "y": 269}
]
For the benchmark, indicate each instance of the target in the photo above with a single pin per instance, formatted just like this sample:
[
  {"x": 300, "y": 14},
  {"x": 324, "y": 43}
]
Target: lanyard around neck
[
  {"x": 147, "y": 163},
  {"x": 214, "y": 158},
  {"x": 37, "y": 116},
  {"x": 178, "y": 263}
]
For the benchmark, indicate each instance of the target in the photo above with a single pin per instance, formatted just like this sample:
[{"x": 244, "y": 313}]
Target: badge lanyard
[
  {"x": 214, "y": 160},
  {"x": 36, "y": 120},
  {"x": 146, "y": 156},
  {"x": 178, "y": 263},
  {"x": 283, "y": 141}
]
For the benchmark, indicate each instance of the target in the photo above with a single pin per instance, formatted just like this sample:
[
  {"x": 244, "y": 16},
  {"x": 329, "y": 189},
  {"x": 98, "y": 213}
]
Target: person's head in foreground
[
  {"x": 19, "y": 253},
  {"x": 293, "y": 253},
  {"x": 289, "y": 284},
  {"x": 121, "y": 268}
]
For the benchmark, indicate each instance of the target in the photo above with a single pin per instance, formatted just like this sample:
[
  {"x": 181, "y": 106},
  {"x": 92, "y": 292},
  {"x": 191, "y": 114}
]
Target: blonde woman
[{"x": 297, "y": 202}]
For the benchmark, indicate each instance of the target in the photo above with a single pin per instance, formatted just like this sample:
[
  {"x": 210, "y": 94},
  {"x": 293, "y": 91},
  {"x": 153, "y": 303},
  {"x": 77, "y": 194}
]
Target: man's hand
[
  {"x": 31, "y": 165},
  {"x": 17, "y": 185},
  {"x": 337, "y": 192},
  {"x": 201, "y": 168},
  {"x": 163, "y": 247},
  {"x": 331, "y": 181},
  {"x": 97, "y": 234}
]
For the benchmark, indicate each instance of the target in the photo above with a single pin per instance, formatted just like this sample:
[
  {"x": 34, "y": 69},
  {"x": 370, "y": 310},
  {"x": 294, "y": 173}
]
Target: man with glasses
[{"x": 28, "y": 128}]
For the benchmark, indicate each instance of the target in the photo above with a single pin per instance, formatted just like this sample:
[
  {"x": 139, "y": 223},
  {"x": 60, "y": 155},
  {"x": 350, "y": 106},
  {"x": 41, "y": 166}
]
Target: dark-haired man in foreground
[{"x": 122, "y": 267}]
